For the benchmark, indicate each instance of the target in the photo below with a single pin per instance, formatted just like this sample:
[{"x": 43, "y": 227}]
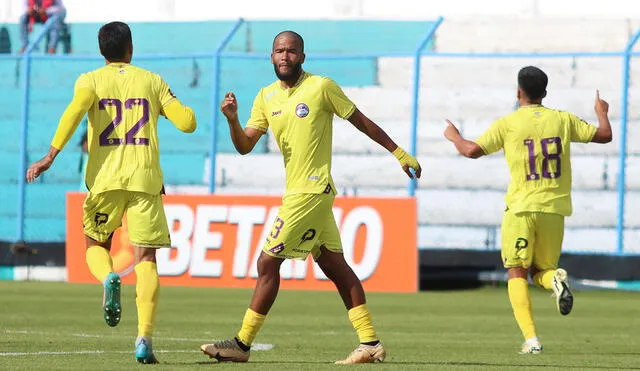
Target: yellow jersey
[
  {"x": 301, "y": 119},
  {"x": 536, "y": 142},
  {"x": 123, "y": 123}
]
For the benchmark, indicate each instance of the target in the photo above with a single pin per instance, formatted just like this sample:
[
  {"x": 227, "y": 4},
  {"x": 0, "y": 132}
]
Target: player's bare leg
[
  {"x": 518, "y": 288},
  {"x": 264, "y": 295},
  {"x": 147, "y": 287},
  {"x": 267, "y": 285},
  {"x": 101, "y": 266},
  {"x": 350, "y": 288}
]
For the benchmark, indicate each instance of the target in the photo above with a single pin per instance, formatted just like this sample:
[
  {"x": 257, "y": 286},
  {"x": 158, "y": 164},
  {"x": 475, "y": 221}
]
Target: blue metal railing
[
  {"x": 623, "y": 140},
  {"x": 215, "y": 87},
  {"x": 417, "y": 54},
  {"x": 26, "y": 81},
  {"x": 416, "y": 96}
]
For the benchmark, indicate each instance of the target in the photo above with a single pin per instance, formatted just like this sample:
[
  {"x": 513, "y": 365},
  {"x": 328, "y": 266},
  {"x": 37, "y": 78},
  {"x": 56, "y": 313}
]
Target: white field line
[
  {"x": 255, "y": 346},
  {"x": 81, "y": 352}
]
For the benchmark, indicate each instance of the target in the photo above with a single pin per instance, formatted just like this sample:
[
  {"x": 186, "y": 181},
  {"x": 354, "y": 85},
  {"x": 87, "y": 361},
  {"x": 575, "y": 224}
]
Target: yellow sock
[
  {"x": 544, "y": 278},
  {"x": 147, "y": 287},
  {"x": 251, "y": 324},
  {"x": 361, "y": 320},
  {"x": 99, "y": 262},
  {"x": 521, "y": 304}
]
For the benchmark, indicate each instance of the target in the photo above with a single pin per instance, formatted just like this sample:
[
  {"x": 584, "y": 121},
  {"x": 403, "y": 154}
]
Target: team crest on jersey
[{"x": 302, "y": 110}]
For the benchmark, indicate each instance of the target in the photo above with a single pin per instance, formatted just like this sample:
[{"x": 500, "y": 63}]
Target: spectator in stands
[
  {"x": 299, "y": 108},
  {"x": 536, "y": 142},
  {"x": 39, "y": 11}
]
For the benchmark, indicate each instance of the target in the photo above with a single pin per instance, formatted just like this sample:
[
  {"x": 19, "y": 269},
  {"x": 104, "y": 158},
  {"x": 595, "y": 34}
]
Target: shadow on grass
[
  {"x": 425, "y": 363},
  {"x": 507, "y": 364}
]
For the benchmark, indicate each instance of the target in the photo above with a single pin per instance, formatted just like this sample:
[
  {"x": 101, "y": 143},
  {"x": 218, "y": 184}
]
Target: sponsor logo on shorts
[
  {"x": 309, "y": 235},
  {"x": 302, "y": 110},
  {"x": 276, "y": 113},
  {"x": 521, "y": 243},
  {"x": 277, "y": 248},
  {"x": 101, "y": 218}
]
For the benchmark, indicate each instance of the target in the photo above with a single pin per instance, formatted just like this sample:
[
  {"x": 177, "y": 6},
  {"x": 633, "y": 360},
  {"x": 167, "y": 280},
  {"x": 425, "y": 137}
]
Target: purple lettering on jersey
[
  {"x": 104, "y": 135},
  {"x": 130, "y": 135},
  {"x": 277, "y": 226},
  {"x": 548, "y": 157},
  {"x": 533, "y": 175}
]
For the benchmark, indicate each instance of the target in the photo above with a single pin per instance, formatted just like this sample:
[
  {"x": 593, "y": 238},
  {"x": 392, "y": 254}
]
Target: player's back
[
  {"x": 537, "y": 149},
  {"x": 123, "y": 139}
]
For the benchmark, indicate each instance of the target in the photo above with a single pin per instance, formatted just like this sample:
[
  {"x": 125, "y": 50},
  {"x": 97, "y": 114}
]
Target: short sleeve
[
  {"x": 581, "y": 131},
  {"x": 165, "y": 94},
  {"x": 258, "y": 119},
  {"x": 337, "y": 100},
  {"x": 492, "y": 140}
]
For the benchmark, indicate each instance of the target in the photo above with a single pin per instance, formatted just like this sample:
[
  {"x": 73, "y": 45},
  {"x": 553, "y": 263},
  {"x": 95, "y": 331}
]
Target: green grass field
[{"x": 455, "y": 330}]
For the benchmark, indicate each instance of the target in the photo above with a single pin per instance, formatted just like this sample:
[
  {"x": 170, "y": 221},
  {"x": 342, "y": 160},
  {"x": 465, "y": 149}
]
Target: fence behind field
[{"x": 404, "y": 84}]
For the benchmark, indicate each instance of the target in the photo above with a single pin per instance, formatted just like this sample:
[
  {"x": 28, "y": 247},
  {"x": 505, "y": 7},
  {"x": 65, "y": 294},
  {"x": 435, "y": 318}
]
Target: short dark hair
[
  {"x": 114, "y": 39},
  {"x": 293, "y": 34},
  {"x": 533, "y": 81}
]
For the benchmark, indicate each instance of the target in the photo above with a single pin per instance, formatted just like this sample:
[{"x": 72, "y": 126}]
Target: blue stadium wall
[{"x": 183, "y": 157}]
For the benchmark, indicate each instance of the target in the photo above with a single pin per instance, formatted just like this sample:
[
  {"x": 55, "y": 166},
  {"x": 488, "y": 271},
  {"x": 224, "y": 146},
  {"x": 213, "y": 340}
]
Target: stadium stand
[
  {"x": 460, "y": 201},
  {"x": 183, "y": 158}
]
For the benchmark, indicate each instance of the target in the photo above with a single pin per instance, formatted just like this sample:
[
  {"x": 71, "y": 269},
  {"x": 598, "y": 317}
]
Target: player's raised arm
[
  {"x": 82, "y": 100},
  {"x": 243, "y": 139},
  {"x": 373, "y": 131},
  {"x": 603, "y": 134},
  {"x": 181, "y": 116},
  {"x": 465, "y": 147}
]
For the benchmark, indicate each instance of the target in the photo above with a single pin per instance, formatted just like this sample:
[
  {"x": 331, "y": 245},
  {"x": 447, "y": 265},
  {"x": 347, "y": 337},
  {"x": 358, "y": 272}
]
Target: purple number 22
[
  {"x": 547, "y": 158},
  {"x": 130, "y": 135}
]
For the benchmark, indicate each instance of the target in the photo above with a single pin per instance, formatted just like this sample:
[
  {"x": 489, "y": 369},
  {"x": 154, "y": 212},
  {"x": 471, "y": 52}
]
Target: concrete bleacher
[
  {"x": 183, "y": 156},
  {"x": 460, "y": 201}
]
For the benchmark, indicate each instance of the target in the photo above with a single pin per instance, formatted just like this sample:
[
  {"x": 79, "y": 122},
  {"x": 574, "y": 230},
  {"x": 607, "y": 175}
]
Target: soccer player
[
  {"x": 299, "y": 109},
  {"x": 123, "y": 171},
  {"x": 536, "y": 142}
]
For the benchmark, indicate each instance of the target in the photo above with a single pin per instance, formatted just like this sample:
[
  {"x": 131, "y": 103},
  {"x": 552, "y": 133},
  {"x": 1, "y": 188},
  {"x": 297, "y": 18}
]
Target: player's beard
[{"x": 291, "y": 76}]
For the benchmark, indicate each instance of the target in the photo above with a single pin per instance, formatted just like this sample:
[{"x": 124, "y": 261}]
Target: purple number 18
[
  {"x": 547, "y": 158},
  {"x": 129, "y": 137}
]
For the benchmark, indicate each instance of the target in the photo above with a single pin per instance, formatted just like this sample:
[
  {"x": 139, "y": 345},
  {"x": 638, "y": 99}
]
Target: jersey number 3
[
  {"x": 129, "y": 137},
  {"x": 547, "y": 158}
]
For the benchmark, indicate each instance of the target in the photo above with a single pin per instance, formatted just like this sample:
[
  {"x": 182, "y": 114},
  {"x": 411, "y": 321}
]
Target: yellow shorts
[
  {"x": 532, "y": 238},
  {"x": 146, "y": 220},
  {"x": 305, "y": 222}
]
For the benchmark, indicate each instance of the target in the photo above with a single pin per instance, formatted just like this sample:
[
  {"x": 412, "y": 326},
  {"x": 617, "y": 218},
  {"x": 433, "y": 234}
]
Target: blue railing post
[
  {"x": 623, "y": 141},
  {"x": 215, "y": 94},
  {"x": 416, "y": 95},
  {"x": 26, "y": 82}
]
